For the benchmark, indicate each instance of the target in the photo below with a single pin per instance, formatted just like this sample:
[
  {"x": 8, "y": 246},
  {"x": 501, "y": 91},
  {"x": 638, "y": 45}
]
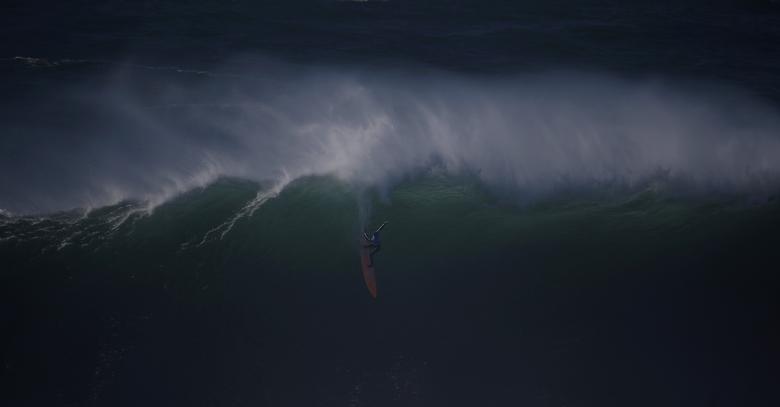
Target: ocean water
[{"x": 582, "y": 201}]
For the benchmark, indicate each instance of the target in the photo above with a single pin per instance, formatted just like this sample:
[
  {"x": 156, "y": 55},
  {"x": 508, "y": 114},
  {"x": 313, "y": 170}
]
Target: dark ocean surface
[{"x": 583, "y": 203}]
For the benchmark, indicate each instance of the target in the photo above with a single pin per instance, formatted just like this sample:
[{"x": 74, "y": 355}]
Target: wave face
[
  {"x": 239, "y": 280},
  {"x": 234, "y": 211},
  {"x": 148, "y": 135}
]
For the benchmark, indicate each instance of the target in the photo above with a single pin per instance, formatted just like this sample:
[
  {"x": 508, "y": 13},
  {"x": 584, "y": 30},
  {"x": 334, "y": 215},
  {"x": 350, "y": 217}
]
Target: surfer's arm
[{"x": 380, "y": 228}]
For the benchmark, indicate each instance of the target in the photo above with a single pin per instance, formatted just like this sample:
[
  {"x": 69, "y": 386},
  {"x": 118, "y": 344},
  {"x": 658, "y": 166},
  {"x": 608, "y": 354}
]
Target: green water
[{"x": 481, "y": 295}]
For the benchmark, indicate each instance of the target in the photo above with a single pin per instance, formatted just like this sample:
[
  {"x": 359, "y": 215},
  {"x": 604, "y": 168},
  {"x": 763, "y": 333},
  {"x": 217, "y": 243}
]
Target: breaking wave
[{"x": 148, "y": 137}]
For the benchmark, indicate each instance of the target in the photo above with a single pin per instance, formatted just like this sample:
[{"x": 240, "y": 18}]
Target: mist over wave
[{"x": 136, "y": 135}]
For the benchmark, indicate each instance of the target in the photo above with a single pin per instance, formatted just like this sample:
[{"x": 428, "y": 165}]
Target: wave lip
[{"x": 532, "y": 133}]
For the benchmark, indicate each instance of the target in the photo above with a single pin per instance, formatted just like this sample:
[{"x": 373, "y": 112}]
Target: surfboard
[{"x": 368, "y": 272}]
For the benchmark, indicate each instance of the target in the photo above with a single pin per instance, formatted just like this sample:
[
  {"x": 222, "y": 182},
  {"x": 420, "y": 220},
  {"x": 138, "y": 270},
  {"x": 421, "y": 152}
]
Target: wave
[
  {"x": 233, "y": 211},
  {"x": 148, "y": 138}
]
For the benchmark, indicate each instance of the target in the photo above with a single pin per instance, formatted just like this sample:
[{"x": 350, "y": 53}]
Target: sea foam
[{"x": 270, "y": 122}]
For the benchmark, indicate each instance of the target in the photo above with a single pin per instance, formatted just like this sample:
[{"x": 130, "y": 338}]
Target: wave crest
[{"x": 527, "y": 132}]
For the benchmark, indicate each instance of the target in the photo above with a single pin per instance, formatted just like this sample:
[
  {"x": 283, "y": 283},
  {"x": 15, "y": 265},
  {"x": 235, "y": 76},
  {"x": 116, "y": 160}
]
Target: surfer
[{"x": 374, "y": 242}]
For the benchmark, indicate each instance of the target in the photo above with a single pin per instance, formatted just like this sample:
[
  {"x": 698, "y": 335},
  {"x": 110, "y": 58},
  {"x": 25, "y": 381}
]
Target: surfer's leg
[{"x": 374, "y": 251}]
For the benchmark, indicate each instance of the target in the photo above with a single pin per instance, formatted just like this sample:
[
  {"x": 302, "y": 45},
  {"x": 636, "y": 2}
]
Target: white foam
[
  {"x": 529, "y": 132},
  {"x": 247, "y": 211}
]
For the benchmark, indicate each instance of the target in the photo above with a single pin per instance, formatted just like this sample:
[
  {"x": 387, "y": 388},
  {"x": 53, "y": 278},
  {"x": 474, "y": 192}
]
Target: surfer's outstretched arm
[{"x": 380, "y": 227}]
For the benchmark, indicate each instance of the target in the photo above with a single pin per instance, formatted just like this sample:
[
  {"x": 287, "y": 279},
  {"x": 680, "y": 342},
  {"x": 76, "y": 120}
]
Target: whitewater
[{"x": 132, "y": 136}]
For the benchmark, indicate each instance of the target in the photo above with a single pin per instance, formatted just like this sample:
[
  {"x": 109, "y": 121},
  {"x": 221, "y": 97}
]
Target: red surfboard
[{"x": 368, "y": 271}]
